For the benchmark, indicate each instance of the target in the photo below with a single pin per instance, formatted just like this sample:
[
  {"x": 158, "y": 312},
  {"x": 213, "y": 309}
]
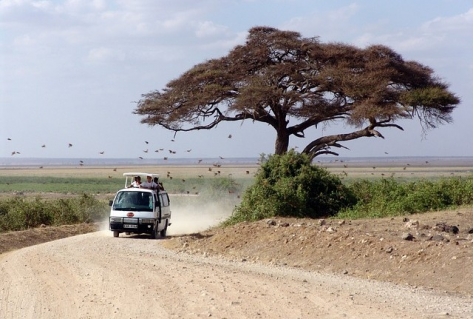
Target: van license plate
[{"x": 129, "y": 226}]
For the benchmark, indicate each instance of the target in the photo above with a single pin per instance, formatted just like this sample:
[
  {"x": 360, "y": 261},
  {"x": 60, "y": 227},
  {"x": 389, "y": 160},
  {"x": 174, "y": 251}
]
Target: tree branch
[{"x": 326, "y": 142}]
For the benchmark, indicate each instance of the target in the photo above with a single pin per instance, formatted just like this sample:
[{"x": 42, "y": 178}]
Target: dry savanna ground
[{"x": 432, "y": 250}]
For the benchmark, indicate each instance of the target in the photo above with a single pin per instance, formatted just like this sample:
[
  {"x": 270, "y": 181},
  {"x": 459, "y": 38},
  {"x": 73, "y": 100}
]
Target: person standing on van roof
[
  {"x": 137, "y": 182},
  {"x": 149, "y": 183}
]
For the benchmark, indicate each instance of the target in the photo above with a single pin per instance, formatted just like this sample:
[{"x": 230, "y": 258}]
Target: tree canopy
[{"x": 278, "y": 76}]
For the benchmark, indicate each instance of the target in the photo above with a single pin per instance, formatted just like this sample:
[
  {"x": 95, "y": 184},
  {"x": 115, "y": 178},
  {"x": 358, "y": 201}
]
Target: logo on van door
[{"x": 130, "y": 214}]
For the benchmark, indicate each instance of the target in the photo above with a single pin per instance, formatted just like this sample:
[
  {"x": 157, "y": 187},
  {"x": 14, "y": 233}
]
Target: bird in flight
[
  {"x": 230, "y": 136},
  {"x": 101, "y": 152},
  {"x": 9, "y": 139},
  {"x": 44, "y": 145},
  {"x": 146, "y": 142},
  {"x": 70, "y": 145}
]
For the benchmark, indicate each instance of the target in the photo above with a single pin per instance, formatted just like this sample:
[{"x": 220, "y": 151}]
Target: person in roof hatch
[
  {"x": 150, "y": 184},
  {"x": 160, "y": 184},
  {"x": 136, "y": 182}
]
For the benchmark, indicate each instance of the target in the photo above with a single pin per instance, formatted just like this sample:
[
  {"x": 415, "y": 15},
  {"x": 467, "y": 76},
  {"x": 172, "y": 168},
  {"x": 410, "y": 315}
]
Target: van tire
[
  {"x": 116, "y": 233},
  {"x": 154, "y": 233},
  {"x": 163, "y": 231}
]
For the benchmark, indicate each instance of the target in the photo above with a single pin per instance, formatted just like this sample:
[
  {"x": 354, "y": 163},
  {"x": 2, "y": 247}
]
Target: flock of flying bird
[
  {"x": 216, "y": 165},
  {"x": 44, "y": 146},
  {"x": 81, "y": 163},
  {"x": 172, "y": 152}
]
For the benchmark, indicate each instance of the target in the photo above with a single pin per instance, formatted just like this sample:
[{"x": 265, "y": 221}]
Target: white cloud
[
  {"x": 343, "y": 13},
  {"x": 83, "y": 6},
  {"x": 6, "y": 4},
  {"x": 459, "y": 23},
  {"x": 223, "y": 44},
  {"x": 41, "y": 4},
  {"x": 100, "y": 54},
  {"x": 209, "y": 29},
  {"x": 437, "y": 35},
  {"x": 331, "y": 24},
  {"x": 24, "y": 40}
]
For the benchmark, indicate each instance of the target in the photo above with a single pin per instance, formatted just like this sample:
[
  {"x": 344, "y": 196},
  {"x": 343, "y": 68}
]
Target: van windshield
[{"x": 135, "y": 201}]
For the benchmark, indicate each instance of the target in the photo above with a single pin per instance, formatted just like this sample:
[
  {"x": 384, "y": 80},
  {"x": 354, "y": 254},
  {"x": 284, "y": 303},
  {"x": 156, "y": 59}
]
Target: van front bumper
[{"x": 131, "y": 225}]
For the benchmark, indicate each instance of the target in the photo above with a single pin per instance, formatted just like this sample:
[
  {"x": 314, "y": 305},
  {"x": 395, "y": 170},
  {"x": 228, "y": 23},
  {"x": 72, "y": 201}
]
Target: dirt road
[{"x": 98, "y": 276}]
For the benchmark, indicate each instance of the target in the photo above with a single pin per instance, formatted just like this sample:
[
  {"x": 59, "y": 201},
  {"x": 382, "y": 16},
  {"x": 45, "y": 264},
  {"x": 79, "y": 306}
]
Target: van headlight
[
  {"x": 115, "y": 219},
  {"x": 147, "y": 221}
]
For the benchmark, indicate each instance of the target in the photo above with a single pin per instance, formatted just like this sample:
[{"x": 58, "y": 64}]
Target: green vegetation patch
[
  {"x": 20, "y": 213},
  {"x": 288, "y": 185},
  {"x": 32, "y": 184},
  {"x": 285, "y": 185},
  {"x": 387, "y": 197}
]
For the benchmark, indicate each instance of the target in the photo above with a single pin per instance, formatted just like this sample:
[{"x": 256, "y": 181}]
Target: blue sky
[{"x": 72, "y": 71}]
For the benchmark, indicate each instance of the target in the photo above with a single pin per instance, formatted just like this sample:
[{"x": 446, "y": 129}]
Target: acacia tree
[{"x": 279, "y": 75}]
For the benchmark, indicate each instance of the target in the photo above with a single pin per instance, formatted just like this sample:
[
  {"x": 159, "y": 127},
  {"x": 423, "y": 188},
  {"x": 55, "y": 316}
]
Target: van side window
[{"x": 164, "y": 200}]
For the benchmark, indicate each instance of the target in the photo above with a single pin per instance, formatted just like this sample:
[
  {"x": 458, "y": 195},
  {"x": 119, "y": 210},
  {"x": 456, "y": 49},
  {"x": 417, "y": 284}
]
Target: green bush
[
  {"x": 388, "y": 197},
  {"x": 19, "y": 213},
  {"x": 289, "y": 185}
]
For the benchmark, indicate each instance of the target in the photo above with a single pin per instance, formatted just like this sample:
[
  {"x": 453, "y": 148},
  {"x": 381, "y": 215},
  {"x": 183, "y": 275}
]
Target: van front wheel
[
  {"x": 154, "y": 233},
  {"x": 163, "y": 231},
  {"x": 116, "y": 233}
]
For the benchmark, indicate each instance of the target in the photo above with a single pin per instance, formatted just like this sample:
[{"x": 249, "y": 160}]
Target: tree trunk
[{"x": 282, "y": 142}]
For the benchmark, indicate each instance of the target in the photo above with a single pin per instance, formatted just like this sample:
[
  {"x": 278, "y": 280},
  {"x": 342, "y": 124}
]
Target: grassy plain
[
  {"x": 117, "y": 172},
  {"x": 193, "y": 179},
  {"x": 65, "y": 181}
]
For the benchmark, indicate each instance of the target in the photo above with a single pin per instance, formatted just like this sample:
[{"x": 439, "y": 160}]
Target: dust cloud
[
  {"x": 193, "y": 218},
  {"x": 193, "y": 214},
  {"x": 104, "y": 225}
]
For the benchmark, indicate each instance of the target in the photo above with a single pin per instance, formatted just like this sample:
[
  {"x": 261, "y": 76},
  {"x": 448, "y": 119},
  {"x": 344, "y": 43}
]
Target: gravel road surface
[{"x": 98, "y": 276}]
